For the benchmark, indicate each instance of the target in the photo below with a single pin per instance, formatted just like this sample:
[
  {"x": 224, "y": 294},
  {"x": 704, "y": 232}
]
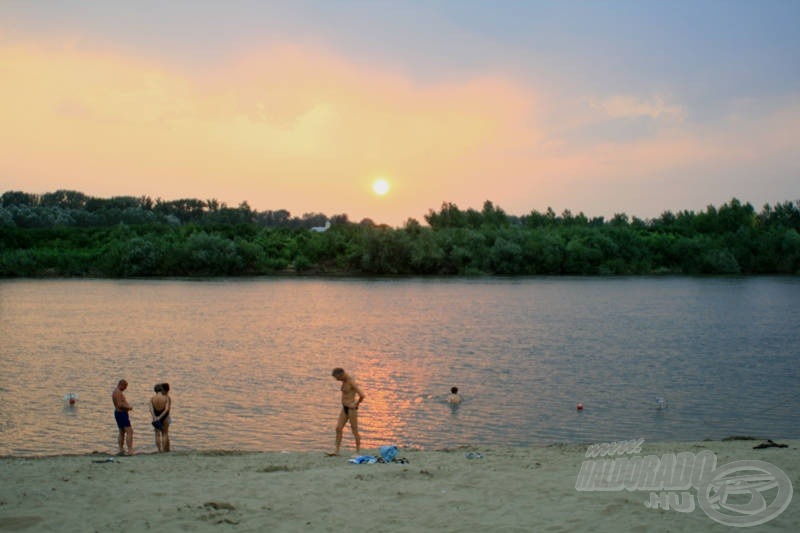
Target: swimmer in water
[{"x": 454, "y": 398}]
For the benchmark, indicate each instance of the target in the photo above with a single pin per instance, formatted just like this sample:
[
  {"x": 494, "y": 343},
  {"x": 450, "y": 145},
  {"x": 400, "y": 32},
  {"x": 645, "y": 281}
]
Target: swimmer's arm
[
  {"x": 360, "y": 394},
  {"x": 167, "y": 407}
]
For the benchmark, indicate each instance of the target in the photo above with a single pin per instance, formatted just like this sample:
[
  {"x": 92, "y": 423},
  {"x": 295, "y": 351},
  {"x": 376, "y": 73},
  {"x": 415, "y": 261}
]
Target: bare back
[{"x": 160, "y": 402}]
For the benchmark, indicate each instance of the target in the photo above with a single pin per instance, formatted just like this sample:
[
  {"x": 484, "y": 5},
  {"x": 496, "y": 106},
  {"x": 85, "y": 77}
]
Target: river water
[{"x": 249, "y": 361}]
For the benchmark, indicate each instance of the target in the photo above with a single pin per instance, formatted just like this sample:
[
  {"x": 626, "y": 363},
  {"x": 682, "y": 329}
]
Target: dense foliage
[{"x": 66, "y": 233}]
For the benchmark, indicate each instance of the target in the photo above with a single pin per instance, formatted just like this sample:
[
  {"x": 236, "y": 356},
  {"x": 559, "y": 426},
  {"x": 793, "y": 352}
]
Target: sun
[{"x": 380, "y": 186}]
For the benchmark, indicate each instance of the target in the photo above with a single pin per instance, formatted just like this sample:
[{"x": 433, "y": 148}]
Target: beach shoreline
[{"x": 457, "y": 489}]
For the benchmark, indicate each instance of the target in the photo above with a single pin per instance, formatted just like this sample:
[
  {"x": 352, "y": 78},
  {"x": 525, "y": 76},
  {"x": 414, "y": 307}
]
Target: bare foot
[{"x": 331, "y": 454}]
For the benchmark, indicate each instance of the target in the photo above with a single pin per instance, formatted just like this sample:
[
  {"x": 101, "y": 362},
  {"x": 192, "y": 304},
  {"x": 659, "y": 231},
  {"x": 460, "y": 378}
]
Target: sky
[{"x": 600, "y": 107}]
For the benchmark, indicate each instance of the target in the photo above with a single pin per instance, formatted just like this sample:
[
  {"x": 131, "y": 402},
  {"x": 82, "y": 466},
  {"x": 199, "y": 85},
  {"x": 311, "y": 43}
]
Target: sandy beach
[{"x": 464, "y": 489}]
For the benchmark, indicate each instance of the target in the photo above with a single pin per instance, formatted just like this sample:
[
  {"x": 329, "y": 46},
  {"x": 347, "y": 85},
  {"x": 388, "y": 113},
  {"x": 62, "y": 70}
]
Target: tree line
[{"x": 67, "y": 233}]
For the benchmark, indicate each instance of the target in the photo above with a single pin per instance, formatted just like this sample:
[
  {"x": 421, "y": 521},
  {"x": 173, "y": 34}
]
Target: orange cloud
[
  {"x": 297, "y": 128},
  {"x": 286, "y": 127}
]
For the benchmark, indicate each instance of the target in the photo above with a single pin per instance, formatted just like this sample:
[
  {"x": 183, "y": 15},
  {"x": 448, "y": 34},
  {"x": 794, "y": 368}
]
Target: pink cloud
[{"x": 307, "y": 130}]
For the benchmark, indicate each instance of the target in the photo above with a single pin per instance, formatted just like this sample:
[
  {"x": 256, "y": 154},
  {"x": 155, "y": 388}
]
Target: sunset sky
[{"x": 596, "y": 106}]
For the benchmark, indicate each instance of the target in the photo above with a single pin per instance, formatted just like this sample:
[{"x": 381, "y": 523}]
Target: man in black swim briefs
[
  {"x": 121, "y": 410},
  {"x": 349, "y": 408}
]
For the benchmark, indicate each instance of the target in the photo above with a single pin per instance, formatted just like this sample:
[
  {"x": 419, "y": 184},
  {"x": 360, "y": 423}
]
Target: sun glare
[{"x": 380, "y": 186}]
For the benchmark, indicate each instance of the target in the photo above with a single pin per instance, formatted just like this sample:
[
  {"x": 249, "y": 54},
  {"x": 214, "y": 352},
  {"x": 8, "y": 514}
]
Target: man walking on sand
[
  {"x": 349, "y": 408},
  {"x": 121, "y": 410}
]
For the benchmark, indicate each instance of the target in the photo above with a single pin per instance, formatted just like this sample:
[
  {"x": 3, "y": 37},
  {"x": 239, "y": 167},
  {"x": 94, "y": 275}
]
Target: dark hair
[
  {"x": 158, "y": 388},
  {"x": 337, "y": 371},
  {"x": 454, "y": 390},
  {"x": 165, "y": 387}
]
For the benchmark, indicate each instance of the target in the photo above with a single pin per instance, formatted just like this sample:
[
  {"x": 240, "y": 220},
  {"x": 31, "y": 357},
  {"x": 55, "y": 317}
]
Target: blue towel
[{"x": 361, "y": 459}]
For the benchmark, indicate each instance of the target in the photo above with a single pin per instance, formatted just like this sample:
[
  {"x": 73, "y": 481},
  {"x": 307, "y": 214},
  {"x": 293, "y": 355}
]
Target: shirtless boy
[
  {"x": 349, "y": 408},
  {"x": 121, "y": 410}
]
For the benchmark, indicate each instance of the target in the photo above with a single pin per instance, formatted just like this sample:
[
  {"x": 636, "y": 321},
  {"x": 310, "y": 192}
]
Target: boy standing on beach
[
  {"x": 121, "y": 410},
  {"x": 349, "y": 408}
]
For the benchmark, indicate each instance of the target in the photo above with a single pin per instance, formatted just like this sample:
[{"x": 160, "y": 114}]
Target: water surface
[{"x": 249, "y": 361}]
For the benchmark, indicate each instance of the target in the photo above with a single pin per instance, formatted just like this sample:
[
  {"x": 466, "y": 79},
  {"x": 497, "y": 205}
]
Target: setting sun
[{"x": 380, "y": 186}]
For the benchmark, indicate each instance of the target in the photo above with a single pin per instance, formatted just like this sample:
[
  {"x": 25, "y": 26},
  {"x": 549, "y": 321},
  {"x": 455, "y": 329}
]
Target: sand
[{"x": 508, "y": 489}]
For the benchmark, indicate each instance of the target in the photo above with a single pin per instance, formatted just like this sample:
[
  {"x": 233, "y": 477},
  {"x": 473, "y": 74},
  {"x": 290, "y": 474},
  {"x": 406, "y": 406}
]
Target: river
[{"x": 249, "y": 360}]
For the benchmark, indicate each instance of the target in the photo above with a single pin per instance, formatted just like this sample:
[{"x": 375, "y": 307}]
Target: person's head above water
[{"x": 454, "y": 390}]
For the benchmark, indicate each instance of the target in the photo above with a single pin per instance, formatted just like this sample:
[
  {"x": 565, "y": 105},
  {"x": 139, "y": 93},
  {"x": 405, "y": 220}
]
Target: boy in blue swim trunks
[{"x": 121, "y": 410}]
